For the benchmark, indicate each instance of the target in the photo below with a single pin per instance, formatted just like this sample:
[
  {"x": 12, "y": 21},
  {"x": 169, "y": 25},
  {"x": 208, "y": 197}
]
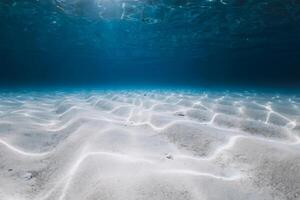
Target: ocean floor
[{"x": 142, "y": 145}]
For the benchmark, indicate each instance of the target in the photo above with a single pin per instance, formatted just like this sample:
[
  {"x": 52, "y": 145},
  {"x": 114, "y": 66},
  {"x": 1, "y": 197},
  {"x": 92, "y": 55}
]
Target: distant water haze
[
  {"x": 188, "y": 42},
  {"x": 149, "y": 99}
]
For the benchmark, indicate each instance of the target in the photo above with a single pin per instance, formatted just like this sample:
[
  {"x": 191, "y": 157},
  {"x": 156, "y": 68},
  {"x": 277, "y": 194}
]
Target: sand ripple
[{"x": 149, "y": 145}]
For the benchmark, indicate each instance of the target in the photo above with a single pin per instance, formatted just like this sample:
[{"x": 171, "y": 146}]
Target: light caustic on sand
[{"x": 62, "y": 139}]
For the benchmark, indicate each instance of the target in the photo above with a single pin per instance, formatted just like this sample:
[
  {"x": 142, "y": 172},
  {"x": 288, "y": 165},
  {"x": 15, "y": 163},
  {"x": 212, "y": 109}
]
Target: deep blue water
[{"x": 204, "y": 43}]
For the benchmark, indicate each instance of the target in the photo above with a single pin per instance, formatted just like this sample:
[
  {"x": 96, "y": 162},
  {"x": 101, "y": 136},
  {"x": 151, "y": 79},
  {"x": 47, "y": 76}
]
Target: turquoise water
[
  {"x": 149, "y": 99},
  {"x": 150, "y": 42}
]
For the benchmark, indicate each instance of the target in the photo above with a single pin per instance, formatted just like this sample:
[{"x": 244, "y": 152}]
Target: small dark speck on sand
[
  {"x": 27, "y": 176},
  {"x": 170, "y": 157},
  {"x": 9, "y": 170},
  {"x": 180, "y": 114}
]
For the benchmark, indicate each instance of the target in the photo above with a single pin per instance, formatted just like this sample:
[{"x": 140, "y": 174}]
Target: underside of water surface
[
  {"x": 149, "y": 100},
  {"x": 185, "y": 42}
]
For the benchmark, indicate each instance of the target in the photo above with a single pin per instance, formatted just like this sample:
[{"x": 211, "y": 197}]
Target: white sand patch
[{"x": 156, "y": 145}]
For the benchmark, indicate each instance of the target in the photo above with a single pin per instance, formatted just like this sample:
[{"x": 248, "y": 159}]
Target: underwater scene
[{"x": 149, "y": 100}]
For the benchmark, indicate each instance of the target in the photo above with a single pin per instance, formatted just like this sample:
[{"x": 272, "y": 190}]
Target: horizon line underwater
[{"x": 150, "y": 100}]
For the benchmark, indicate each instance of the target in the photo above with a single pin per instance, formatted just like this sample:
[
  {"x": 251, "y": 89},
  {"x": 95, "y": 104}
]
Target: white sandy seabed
[{"x": 142, "y": 145}]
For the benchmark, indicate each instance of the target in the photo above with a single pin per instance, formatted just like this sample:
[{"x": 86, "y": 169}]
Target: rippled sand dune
[{"x": 156, "y": 145}]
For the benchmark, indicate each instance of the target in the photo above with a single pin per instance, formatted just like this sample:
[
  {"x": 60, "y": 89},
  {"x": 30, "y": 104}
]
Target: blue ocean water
[
  {"x": 149, "y": 99},
  {"x": 174, "y": 43}
]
